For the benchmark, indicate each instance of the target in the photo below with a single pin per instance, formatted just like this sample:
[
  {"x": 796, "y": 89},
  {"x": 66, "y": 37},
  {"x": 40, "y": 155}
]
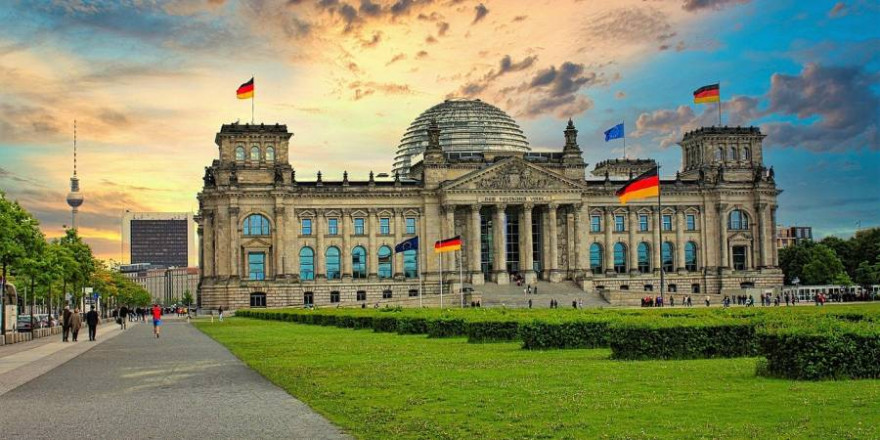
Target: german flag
[
  {"x": 246, "y": 90},
  {"x": 448, "y": 245},
  {"x": 710, "y": 93},
  {"x": 646, "y": 185}
]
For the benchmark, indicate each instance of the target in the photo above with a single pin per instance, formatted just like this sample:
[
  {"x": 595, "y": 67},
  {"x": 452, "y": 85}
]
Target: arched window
[
  {"x": 690, "y": 256},
  {"x": 410, "y": 264},
  {"x": 738, "y": 220},
  {"x": 239, "y": 152},
  {"x": 596, "y": 258},
  {"x": 719, "y": 154},
  {"x": 331, "y": 258},
  {"x": 270, "y": 153},
  {"x": 644, "y": 257},
  {"x": 747, "y": 154},
  {"x": 620, "y": 258},
  {"x": 256, "y": 224},
  {"x": 359, "y": 262},
  {"x": 385, "y": 266},
  {"x": 255, "y": 153},
  {"x": 732, "y": 153},
  {"x": 667, "y": 251},
  {"x": 306, "y": 264}
]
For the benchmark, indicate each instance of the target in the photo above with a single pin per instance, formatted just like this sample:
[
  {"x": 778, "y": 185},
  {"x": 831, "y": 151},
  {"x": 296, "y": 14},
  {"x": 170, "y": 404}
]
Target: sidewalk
[
  {"x": 132, "y": 385},
  {"x": 25, "y": 361}
]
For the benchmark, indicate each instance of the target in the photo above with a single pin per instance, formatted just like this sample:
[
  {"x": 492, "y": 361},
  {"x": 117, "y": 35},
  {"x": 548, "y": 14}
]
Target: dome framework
[{"x": 466, "y": 126}]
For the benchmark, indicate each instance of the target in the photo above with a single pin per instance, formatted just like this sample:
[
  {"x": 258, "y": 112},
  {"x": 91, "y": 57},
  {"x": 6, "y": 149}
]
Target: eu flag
[
  {"x": 615, "y": 132},
  {"x": 408, "y": 244}
]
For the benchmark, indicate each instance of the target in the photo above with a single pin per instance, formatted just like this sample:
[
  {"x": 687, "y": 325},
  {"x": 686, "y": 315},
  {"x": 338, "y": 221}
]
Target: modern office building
[
  {"x": 166, "y": 286},
  {"x": 269, "y": 239},
  {"x": 792, "y": 235},
  {"x": 161, "y": 239}
]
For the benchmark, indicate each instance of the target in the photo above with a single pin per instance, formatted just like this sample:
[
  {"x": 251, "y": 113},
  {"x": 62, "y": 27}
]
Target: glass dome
[{"x": 466, "y": 126}]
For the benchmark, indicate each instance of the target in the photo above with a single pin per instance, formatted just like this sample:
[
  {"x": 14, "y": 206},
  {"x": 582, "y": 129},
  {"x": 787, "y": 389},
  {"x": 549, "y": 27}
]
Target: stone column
[
  {"x": 553, "y": 267},
  {"x": 722, "y": 240},
  {"x": 345, "y": 228},
  {"x": 609, "y": 243},
  {"x": 774, "y": 252},
  {"x": 475, "y": 245},
  {"x": 320, "y": 272},
  {"x": 580, "y": 248},
  {"x": 398, "y": 237},
  {"x": 569, "y": 242},
  {"x": 278, "y": 239},
  {"x": 210, "y": 260},
  {"x": 372, "y": 256},
  {"x": 293, "y": 264},
  {"x": 760, "y": 237},
  {"x": 235, "y": 251},
  {"x": 499, "y": 232},
  {"x": 527, "y": 251},
  {"x": 633, "y": 248},
  {"x": 656, "y": 249},
  {"x": 679, "y": 238}
]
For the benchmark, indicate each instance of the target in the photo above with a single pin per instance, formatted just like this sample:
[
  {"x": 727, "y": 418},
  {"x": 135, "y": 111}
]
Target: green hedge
[
  {"x": 571, "y": 334},
  {"x": 643, "y": 339},
  {"x": 445, "y": 328},
  {"x": 491, "y": 331},
  {"x": 826, "y": 350}
]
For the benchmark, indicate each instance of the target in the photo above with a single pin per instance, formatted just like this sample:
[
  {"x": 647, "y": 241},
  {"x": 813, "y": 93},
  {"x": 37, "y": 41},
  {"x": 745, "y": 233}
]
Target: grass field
[{"x": 383, "y": 385}]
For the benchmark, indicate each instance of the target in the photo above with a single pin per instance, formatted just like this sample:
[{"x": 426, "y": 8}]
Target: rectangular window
[
  {"x": 358, "y": 226},
  {"x": 667, "y": 222},
  {"x": 306, "y": 226},
  {"x": 739, "y": 258},
  {"x": 385, "y": 226},
  {"x": 386, "y": 294},
  {"x": 643, "y": 222},
  {"x": 334, "y": 297},
  {"x": 256, "y": 266},
  {"x": 595, "y": 223},
  {"x": 308, "y": 299},
  {"x": 691, "y": 221},
  {"x": 361, "y": 295},
  {"x": 413, "y": 293},
  {"x": 410, "y": 225},
  {"x": 619, "y": 223},
  {"x": 333, "y": 226}
]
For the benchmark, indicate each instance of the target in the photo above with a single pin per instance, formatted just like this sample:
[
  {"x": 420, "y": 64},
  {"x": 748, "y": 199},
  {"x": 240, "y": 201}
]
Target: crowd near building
[{"x": 464, "y": 168}]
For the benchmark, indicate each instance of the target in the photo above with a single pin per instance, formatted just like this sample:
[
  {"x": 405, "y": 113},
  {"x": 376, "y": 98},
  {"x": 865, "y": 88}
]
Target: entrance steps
[{"x": 513, "y": 296}]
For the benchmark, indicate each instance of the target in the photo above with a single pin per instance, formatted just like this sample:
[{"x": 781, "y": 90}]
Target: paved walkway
[
  {"x": 133, "y": 385},
  {"x": 511, "y": 295}
]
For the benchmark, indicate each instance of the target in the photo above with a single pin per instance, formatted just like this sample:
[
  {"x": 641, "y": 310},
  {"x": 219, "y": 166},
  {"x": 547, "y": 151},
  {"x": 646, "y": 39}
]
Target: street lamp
[{"x": 797, "y": 291}]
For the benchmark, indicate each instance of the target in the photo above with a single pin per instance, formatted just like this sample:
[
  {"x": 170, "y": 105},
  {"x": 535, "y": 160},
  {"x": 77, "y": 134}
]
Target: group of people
[
  {"x": 72, "y": 320},
  {"x": 659, "y": 301},
  {"x": 124, "y": 314}
]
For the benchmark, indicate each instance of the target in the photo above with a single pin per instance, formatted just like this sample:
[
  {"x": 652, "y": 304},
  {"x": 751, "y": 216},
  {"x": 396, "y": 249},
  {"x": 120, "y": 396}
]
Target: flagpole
[
  {"x": 460, "y": 279},
  {"x": 624, "y": 139},
  {"x": 719, "y": 103},
  {"x": 253, "y": 97},
  {"x": 441, "y": 280},
  {"x": 660, "y": 225},
  {"x": 419, "y": 271}
]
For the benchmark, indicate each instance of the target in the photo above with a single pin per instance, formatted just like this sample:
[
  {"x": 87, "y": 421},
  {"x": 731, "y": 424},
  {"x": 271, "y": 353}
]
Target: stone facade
[{"x": 270, "y": 240}]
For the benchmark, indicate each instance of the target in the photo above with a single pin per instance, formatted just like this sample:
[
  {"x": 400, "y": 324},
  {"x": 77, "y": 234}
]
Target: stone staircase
[{"x": 512, "y": 296}]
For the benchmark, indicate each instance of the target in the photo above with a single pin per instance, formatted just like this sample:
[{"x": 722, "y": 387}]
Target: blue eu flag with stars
[
  {"x": 409, "y": 244},
  {"x": 615, "y": 132}
]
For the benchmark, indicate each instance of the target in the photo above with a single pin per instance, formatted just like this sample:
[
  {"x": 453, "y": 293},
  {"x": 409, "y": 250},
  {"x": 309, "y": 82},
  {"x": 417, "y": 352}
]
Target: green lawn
[{"x": 383, "y": 385}]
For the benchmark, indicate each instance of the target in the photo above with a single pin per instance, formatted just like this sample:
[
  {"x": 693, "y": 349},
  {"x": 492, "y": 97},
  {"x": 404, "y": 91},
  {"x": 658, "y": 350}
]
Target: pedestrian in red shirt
[{"x": 157, "y": 319}]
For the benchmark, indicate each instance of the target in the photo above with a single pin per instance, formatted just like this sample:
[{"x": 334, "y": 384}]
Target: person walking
[
  {"x": 75, "y": 323},
  {"x": 123, "y": 313},
  {"x": 92, "y": 321},
  {"x": 221, "y": 312},
  {"x": 65, "y": 323},
  {"x": 157, "y": 319}
]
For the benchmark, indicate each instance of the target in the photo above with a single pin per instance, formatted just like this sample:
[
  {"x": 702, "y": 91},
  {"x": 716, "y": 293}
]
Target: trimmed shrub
[
  {"x": 572, "y": 334},
  {"x": 828, "y": 350},
  {"x": 385, "y": 324},
  {"x": 491, "y": 331},
  {"x": 412, "y": 325},
  {"x": 675, "y": 339},
  {"x": 445, "y": 328}
]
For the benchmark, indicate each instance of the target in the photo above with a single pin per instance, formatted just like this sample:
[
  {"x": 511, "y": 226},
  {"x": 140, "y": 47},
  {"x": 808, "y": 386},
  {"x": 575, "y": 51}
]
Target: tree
[
  {"x": 793, "y": 259},
  {"x": 824, "y": 267},
  {"x": 868, "y": 274},
  {"x": 19, "y": 238},
  {"x": 85, "y": 261},
  {"x": 187, "y": 298}
]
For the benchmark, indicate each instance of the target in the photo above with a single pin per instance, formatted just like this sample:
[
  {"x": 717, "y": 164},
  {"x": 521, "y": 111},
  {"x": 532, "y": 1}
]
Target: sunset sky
[{"x": 150, "y": 82}]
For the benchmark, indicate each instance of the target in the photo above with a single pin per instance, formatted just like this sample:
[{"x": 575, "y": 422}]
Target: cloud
[
  {"x": 421, "y": 54},
  {"x": 481, "y": 11},
  {"x": 370, "y": 9},
  {"x": 506, "y": 65},
  {"x": 365, "y": 89},
  {"x": 520, "y": 18},
  {"x": 556, "y": 91},
  {"x": 442, "y": 28},
  {"x": 620, "y": 94},
  {"x": 667, "y": 126},
  {"x": 396, "y": 58},
  {"x": 631, "y": 25},
  {"x": 696, "y": 5},
  {"x": 837, "y": 108},
  {"x": 374, "y": 41}
]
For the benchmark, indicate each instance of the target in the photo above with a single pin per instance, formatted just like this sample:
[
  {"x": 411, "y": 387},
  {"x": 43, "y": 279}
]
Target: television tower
[{"x": 74, "y": 198}]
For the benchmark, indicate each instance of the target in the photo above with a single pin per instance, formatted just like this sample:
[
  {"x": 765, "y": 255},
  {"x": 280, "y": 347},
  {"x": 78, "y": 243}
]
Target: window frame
[
  {"x": 690, "y": 222},
  {"x": 384, "y": 226},
  {"x": 356, "y": 271},
  {"x": 663, "y": 224},
  {"x": 305, "y": 226},
  {"x": 410, "y": 225},
  {"x": 619, "y": 223},
  {"x": 333, "y": 270},
  {"x": 333, "y": 226},
  {"x": 385, "y": 270},
  {"x": 595, "y": 223},
  {"x": 259, "y": 154},
  {"x": 257, "y": 275},
  {"x": 644, "y": 223},
  {"x": 306, "y": 275},
  {"x": 359, "y": 225}
]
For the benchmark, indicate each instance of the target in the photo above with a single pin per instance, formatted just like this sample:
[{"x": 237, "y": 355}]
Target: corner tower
[{"x": 722, "y": 153}]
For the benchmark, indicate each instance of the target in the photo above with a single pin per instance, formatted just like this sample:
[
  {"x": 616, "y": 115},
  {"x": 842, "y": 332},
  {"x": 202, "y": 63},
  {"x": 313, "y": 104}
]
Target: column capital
[
  {"x": 721, "y": 206},
  {"x": 398, "y": 212},
  {"x": 552, "y": 206},
  {"x": 234, "y": 210},
  {"x": 761, "y": 205},
  {"x": 476, "y": 207},
  {"x": 279, "y": 211},
  {"x": 501, "y": 207},
  {"x": 528, "y": 206}
]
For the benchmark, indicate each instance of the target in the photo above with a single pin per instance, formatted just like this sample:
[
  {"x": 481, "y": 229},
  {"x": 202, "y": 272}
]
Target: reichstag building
[{"x": 464, "y": 168}]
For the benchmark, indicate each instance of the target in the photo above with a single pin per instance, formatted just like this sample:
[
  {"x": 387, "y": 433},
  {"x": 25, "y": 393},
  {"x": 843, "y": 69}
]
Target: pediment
[
  {"x": 740, "y": 237},
  {"x": 256, "y": 242},
  {"x": 513, "y": 174}
]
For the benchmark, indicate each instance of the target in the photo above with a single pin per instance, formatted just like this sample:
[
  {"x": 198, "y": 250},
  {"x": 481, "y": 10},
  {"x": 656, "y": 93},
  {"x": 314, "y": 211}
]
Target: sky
[{"x": 149, "y": 83}]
